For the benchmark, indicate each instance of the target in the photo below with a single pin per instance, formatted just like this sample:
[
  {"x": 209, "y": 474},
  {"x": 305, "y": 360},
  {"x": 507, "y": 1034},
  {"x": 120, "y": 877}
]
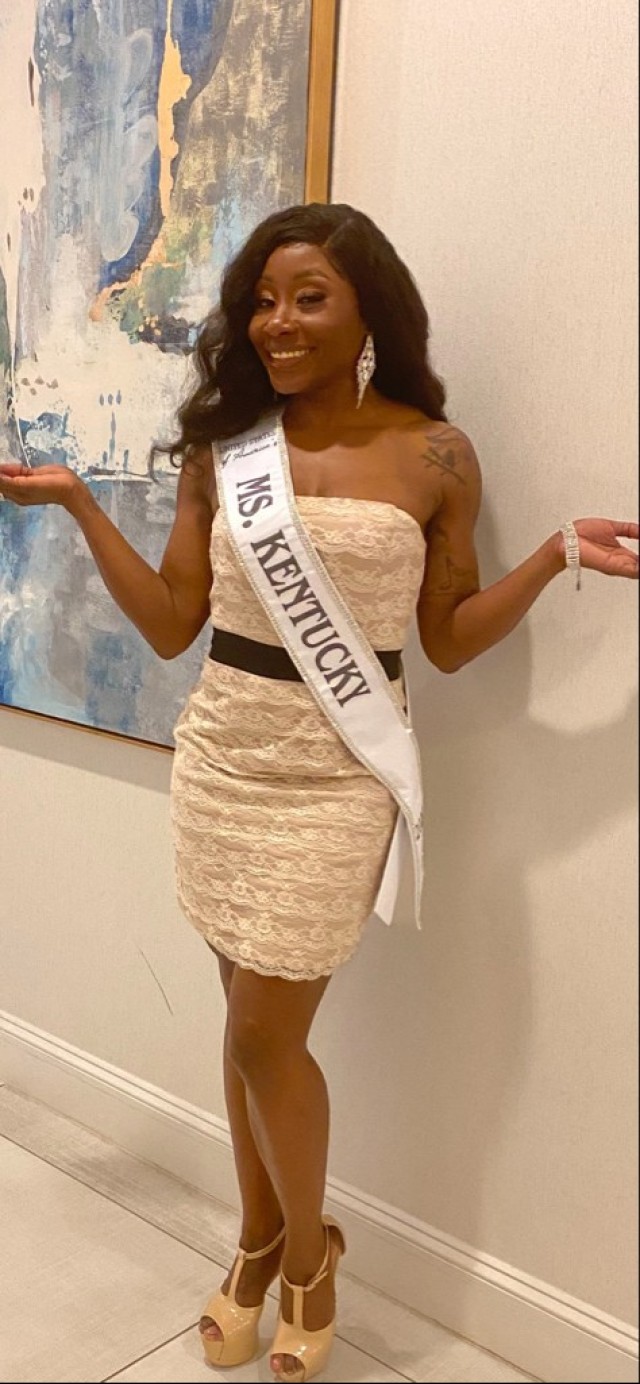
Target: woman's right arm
[{"x": 168, "y": 607}]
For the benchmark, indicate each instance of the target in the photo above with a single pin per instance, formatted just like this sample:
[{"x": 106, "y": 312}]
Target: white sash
[{"x": 318, "y": 630}]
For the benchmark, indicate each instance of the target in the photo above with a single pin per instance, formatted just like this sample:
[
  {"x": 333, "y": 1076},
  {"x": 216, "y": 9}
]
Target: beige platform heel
[
  {"x": 239, "y": 1325},
  {"x": 310, "y": 1348}
]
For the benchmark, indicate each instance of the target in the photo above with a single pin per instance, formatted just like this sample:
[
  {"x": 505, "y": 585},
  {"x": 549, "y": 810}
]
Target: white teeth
[{"x": 287, "y": 355}]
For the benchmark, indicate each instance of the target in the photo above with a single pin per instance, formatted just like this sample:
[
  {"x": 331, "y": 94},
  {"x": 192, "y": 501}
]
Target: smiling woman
[
  {"x": 306, "y": 326},
  {"x": 323, "y": 498}
]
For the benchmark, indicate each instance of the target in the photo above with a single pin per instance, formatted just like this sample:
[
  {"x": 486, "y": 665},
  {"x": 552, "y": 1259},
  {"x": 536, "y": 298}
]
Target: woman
[{"x": 282, "y": 831}]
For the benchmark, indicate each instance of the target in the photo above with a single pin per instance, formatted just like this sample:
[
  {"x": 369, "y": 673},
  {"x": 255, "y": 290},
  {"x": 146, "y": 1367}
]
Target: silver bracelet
[{"x": 572, "y": 550}]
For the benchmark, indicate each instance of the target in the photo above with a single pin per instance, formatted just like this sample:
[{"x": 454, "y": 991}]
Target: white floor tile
[
  {"x": 418, "y": 1348},
  {"x": 175, "y": 1207},
  {"x": 85, "y": 1287}
]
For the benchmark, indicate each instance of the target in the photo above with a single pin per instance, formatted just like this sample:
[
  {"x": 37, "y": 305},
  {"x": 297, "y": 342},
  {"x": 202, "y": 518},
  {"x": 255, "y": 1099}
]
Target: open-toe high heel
[
  {"x": 239, "y": 1325},
  {"x": 310, "y": 1348}
]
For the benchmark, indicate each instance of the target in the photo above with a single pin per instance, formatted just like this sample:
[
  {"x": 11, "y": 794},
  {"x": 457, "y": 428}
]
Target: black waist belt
[{"x": 273, "y": 661}]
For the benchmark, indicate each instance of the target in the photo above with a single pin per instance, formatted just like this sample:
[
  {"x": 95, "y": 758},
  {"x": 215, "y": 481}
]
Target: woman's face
[{"x": 306, "y": 326}]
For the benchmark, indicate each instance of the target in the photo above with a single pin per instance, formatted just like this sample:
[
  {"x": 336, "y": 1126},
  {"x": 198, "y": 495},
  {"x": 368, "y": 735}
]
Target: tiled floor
[{"x": 106, "y": 1262}]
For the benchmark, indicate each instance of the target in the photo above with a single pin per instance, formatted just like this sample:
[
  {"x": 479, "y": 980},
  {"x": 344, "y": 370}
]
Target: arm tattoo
[
  {"x": 456, "y": 581},
  {"x": 443, "y": 458},
  {"x": 452, "y": 580}
]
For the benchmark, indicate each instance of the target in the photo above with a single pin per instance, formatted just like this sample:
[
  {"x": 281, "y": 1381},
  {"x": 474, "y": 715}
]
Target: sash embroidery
[{"x": 317, "y": 628}]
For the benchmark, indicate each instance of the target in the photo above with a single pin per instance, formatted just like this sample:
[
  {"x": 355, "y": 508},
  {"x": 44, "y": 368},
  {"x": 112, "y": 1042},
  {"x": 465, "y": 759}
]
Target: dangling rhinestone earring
[{"x": 365, "y": 367}]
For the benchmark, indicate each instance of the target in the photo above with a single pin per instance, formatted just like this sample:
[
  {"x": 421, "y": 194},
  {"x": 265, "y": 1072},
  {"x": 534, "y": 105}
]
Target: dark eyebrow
[{"x": 303, "y": 274}]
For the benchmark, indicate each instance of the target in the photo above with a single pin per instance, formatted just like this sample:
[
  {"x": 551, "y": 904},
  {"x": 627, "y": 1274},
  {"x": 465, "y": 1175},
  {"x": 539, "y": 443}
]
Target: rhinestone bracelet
[{"x": 572, "y": 550}]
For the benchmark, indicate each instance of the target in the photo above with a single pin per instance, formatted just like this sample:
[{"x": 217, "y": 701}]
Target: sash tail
[{"x": 405, "y": 852}]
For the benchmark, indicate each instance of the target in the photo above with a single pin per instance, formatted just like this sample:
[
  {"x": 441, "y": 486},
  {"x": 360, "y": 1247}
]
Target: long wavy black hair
[{"x": 234, "y": 388}]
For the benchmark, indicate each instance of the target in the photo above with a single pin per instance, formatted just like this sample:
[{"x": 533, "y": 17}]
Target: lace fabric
[{"x": 280, "y": 834}]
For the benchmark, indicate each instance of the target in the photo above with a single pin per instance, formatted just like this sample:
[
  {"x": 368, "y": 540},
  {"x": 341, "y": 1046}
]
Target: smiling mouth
[{"x": 286, "y": 357}]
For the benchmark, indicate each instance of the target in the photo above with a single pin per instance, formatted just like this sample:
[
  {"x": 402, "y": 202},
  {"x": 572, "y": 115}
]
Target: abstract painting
[{"x": 140, "y": 142}]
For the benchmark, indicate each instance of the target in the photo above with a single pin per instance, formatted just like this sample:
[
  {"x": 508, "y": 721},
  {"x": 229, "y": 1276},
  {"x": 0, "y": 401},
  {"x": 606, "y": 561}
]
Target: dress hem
[{"x": 232, "y": 954}]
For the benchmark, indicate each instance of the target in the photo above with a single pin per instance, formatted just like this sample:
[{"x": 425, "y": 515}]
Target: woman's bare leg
[
  {"x": 288, "y": 1108},
  {"x": 262, "y": 1216}
]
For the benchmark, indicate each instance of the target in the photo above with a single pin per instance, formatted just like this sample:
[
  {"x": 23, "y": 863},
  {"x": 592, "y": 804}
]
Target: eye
[
  {"x": 306, "y": 298},
  {"x": 263, "y": 304}
]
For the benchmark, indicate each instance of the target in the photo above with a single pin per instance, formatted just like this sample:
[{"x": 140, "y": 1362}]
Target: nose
[{"x": 279, "y": 321}]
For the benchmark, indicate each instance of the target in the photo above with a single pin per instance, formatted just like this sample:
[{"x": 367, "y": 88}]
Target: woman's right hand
[{"x": 42, "y": 485}]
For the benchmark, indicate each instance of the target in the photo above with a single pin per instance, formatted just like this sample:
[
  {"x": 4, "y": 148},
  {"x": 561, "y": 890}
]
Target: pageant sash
[{"x": 317, "y": 628}]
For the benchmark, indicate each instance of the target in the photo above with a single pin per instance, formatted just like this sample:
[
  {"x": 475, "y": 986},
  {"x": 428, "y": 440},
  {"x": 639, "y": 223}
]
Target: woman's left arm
[{"x": 457, "y": 621}]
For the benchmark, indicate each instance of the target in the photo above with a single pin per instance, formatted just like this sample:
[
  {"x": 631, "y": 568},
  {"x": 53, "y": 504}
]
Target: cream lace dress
[{"x": 280, "y": 834}]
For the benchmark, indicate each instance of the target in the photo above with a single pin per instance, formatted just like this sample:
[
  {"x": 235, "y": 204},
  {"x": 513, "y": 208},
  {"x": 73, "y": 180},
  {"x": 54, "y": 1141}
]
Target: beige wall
[{"x": 483, "y": 1072}]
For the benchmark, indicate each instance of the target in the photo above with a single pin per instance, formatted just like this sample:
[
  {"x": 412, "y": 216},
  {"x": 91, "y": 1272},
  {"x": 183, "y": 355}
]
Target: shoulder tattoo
[{"x": 446, "y": 453}]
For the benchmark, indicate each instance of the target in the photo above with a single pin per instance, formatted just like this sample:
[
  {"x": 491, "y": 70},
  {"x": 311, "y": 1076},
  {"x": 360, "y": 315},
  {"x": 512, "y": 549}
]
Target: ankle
[
  {"x": 301, "y": 1262},
  {"x": 257, "y": 1234}
]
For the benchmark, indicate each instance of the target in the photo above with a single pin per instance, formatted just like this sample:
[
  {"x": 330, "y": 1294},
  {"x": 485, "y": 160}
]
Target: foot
[
  {"x": 256, "y": 1276},
  {"x": 319, "y": 1305}
]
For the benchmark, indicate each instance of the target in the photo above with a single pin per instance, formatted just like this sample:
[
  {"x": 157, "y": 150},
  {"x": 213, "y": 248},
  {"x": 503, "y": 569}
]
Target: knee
[{"x": 255, "y": 1047}]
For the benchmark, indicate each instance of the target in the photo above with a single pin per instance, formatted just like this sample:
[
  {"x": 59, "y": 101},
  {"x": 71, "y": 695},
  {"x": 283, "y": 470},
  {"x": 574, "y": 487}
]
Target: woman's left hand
[{"x": 600, "y": 549}]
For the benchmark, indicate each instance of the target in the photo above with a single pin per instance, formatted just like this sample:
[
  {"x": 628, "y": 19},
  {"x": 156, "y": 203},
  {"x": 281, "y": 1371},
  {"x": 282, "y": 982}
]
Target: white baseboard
[{"x": 536, "y": 1326}]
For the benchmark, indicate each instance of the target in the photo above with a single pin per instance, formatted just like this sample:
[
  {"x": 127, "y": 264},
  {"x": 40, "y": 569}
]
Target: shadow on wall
[{"x": 447, "y": 1022}]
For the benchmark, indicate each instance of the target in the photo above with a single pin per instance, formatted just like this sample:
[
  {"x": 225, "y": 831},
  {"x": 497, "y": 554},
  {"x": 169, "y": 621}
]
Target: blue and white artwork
[{"x": 140, "y": 142}]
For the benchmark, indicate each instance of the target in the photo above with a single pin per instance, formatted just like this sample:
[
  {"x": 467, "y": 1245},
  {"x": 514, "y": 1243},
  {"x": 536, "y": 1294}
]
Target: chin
[
  {"x": 285, "y": 391},
  {"x": 285, "y": 388}
]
